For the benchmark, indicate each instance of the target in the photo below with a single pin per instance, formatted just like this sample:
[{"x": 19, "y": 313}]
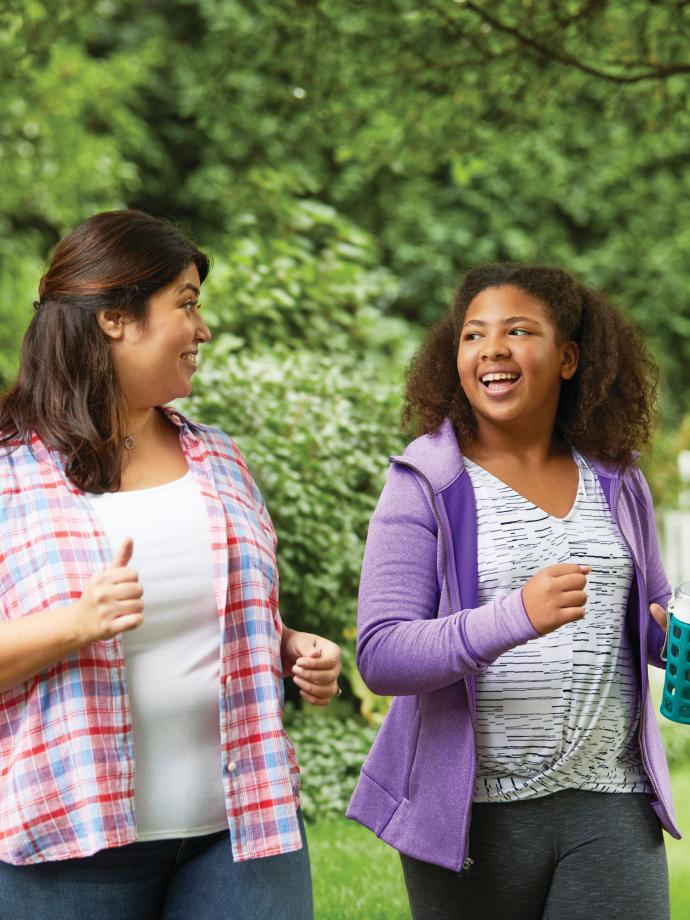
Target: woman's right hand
[
  {"x": 555, "y": 596},
  {"x": 111, "y": 601}
]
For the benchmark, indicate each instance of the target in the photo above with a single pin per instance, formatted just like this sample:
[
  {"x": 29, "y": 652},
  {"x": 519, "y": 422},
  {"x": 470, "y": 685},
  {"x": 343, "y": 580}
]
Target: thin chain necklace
[{"x": 130, "y": 439}]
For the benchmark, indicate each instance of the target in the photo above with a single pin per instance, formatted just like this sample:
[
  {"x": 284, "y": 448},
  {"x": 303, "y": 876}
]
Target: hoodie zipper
[
  {"x": 434, "y": 509},
  {"x": 640, "y": 727},
  {"x": 467, "y": 862}
]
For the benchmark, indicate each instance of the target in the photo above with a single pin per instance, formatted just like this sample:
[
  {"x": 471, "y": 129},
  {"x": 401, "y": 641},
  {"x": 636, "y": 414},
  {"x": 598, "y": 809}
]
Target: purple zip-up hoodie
[{"x": 422, "y": 639}]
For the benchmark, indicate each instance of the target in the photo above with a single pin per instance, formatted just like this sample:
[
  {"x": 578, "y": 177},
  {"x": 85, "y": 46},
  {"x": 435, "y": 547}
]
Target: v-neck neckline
[{"x": 579, "y": 462}]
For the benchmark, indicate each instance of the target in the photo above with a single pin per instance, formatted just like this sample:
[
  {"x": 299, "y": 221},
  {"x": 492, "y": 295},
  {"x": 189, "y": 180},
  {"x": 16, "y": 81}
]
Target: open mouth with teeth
[
  {"x": 499, "y": 383},
  {"x": 189, "y": 358}
]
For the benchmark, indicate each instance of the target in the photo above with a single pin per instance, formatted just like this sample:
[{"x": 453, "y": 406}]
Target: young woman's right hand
[
  {"x": 111, "y": 601},
  {"x": 555, "y": 596}
]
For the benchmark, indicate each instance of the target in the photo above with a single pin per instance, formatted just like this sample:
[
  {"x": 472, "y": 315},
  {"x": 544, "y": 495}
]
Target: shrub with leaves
[
  {"x": 316, "y": 433},
  {"x": 330, "y": 752},
  {"x": 311, "y": 279}
]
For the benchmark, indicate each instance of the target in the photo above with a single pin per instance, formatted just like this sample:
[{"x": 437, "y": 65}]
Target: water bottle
[{"x": 675, "y": 703}]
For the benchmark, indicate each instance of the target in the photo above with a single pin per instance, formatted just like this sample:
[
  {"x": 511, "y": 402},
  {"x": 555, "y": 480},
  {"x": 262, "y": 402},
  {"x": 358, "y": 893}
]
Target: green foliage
[
  {"x": 314, "y": 279},
  {"x": 70, "y": 130},
  {"x": 330, "y": 752},
  {"x": 661, "y": 467},
  {"x": 304, "y": 373},
  {"x": 19, "y": 273},
  {"x": 345, "y": 163},
  {"x": 676, "y": 740},
  {"x": 450, "y": 133},
  {"x": 315, "y": 431},
  {"x": 64, "y": 152}
]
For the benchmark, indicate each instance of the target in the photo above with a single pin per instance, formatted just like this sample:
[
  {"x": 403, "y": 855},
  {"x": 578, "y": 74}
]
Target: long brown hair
[
  {"x": 607, "y": 409},
  {"x": 66, "y": 390}
]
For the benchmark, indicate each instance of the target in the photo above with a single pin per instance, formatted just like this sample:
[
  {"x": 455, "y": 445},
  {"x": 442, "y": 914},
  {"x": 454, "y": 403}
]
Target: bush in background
[
  {"x": 330, "y": 751},
  {"x": 316, "y": 433},
  {"x": 304, "y": 373}
]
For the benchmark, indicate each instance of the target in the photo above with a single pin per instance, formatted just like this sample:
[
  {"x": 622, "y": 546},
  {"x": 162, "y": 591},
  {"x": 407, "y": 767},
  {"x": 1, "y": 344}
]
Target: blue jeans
[{"x": 191, "y": 878}]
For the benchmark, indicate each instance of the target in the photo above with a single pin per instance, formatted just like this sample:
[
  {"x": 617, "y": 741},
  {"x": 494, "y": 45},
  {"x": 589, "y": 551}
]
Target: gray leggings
[{"x": 573, "y": 855}]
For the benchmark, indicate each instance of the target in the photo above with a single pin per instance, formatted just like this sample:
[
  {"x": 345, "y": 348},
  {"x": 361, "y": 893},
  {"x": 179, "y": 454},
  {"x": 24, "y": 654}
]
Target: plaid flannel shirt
[{"x": 66, "y": 748}]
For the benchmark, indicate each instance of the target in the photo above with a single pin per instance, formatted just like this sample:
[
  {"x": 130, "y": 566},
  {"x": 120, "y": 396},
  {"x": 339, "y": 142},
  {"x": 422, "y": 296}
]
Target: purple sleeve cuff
[
  {"x": 496, "y": 627},
  {"x": 656, "y": 636}
]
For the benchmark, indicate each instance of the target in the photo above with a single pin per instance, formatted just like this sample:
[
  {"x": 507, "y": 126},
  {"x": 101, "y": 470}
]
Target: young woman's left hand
[
  {"x": 314, "y": 663},
  {"x": 659, "y": 615}
]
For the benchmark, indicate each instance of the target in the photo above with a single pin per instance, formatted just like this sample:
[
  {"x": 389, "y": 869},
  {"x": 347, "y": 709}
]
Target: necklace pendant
[{"x": 129, "y": 442}]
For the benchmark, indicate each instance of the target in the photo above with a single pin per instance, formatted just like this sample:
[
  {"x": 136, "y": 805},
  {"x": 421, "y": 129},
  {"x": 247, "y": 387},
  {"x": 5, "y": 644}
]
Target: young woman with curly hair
[{"x": 512, "y": 596}]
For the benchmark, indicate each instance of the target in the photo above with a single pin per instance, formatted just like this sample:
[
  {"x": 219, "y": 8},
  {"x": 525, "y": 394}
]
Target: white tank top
[{"x": 172, "y": 659}]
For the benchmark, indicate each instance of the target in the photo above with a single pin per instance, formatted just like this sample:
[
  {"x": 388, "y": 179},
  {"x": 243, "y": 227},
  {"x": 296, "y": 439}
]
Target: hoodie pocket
[{"x": 412, "y": 752}]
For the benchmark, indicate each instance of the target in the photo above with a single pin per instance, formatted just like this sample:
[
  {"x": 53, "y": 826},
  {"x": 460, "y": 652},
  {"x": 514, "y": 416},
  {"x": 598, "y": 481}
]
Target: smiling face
[
  {"x": 154, "y": 361},
  {"x": 509, "y": 361}
]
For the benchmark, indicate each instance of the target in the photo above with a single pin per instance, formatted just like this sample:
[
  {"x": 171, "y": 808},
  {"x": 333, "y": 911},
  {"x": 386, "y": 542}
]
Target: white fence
[{"x": 674, "y": 533}]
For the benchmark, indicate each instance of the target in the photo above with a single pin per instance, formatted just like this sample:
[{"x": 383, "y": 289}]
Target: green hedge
[
  {"x": 316, "y": 432},
  {"x": 330, "y": 751}
]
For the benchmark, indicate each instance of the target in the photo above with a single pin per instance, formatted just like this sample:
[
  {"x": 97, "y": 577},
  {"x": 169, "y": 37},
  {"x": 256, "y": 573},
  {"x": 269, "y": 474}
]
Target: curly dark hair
[{"x": 606, "y": 411}]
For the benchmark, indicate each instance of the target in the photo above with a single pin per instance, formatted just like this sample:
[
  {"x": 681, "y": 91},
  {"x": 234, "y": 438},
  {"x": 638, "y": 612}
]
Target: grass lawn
[
  {"x": 679, "y": 850},
  {"x": 357, "y": 877}
]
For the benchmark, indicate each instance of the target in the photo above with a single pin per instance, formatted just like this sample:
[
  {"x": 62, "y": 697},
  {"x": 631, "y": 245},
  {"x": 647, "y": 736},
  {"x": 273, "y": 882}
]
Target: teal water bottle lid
[{"x": 680, "y": 602}]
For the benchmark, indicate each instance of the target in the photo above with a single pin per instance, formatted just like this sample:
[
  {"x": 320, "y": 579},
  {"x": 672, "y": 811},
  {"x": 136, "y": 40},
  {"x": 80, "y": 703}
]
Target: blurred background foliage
[{"x": 344, "y": 162}]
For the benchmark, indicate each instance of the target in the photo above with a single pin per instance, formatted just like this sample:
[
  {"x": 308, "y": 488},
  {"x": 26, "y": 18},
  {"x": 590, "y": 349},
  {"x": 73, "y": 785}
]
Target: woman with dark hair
[
  {"x": 145, "y": 769},
  {"x": 520, "y": 771}
]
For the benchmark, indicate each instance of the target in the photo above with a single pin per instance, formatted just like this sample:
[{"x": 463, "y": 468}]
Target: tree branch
[{"x": 653, "y": 72}]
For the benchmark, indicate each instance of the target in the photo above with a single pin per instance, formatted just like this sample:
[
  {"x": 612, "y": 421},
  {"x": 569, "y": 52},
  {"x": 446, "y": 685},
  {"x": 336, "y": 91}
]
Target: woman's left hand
[
  {"x": 659, "y": 615},
  {"x": 314, "y": 663}
]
